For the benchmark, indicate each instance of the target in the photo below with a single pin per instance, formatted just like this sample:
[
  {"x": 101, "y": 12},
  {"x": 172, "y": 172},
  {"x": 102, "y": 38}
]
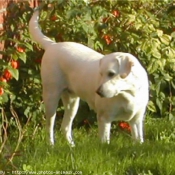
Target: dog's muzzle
[{"x": 99, "y": 91}]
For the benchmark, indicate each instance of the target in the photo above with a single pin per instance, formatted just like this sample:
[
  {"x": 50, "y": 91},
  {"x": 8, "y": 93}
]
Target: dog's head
[{"x": 114, "y": 70}]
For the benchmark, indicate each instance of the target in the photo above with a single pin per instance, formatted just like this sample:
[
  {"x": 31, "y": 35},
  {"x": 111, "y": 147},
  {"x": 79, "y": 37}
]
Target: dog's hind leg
[
  {"x": 51, "y": 97},
  {"x": 71, "y": 104},
  {"x": 54, "y": 84}
]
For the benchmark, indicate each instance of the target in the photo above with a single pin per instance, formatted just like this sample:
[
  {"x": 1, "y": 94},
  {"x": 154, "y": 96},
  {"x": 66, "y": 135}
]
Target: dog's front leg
[
  {"x": 104, "y": 127},
  {"x": 136, "y": 132},
  {"x": 137, "y": 128}
]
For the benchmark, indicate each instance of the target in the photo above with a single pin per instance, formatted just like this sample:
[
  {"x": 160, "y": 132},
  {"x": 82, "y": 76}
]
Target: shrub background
[{"x": 145, "y": 29}]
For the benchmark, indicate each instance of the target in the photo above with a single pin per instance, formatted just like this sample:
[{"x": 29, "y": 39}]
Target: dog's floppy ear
[{"x": 128, "y": 63}]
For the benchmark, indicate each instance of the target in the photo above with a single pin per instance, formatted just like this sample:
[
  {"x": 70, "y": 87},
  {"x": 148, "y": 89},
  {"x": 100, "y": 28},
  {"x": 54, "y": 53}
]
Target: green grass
[{"x": 155, "y": 156}]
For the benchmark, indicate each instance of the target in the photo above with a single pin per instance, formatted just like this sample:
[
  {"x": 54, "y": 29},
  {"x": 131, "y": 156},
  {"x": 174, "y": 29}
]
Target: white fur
[{"x": 115, "y": 86}]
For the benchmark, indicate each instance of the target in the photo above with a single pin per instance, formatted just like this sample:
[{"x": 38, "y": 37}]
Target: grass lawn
[{"x": 156, "y": 156}]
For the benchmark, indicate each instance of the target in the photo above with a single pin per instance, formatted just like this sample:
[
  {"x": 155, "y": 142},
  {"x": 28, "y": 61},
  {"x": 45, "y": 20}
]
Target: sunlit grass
[{"x": 122, "y": 157}]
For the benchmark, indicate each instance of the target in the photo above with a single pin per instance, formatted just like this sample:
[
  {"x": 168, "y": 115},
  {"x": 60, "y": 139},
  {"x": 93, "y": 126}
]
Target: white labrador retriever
[{"x": 115, "y": 86}]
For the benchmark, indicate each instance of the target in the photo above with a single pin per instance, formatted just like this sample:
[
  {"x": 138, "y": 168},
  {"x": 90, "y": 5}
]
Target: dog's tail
[{"x": 36, "y": 33}]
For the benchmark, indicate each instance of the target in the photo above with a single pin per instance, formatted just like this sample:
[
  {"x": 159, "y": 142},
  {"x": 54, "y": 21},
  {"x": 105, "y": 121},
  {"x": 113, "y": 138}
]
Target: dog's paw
[{"x": 72, "y": 144}]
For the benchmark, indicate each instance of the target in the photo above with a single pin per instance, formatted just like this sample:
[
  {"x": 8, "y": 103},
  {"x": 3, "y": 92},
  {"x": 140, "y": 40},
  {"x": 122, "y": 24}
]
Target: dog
[{"x": 115, "y": 86}]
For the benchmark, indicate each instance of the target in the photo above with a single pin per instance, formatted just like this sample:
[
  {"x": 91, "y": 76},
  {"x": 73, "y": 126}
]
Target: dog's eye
[{"x": 111, "y": 74}]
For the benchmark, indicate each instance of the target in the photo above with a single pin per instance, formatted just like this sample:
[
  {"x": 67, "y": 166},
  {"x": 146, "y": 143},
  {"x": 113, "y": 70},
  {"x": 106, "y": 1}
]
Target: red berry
[
  {"x": 54, "y": 18},
  {"x": 20, "y": 49},
  {"x": 15, "y": 64},
  {"x": 108, "y": 39},
  {"x": 125, "y": 125},
  {"x": 7, "y": 75},
  {"x": 2, "y": 79},
  {"x": 1, "y": 91},
  {"x": 38, "y": 60},
  {"x": 105, "y": 19},
  {"x": 116, "y": 13}
]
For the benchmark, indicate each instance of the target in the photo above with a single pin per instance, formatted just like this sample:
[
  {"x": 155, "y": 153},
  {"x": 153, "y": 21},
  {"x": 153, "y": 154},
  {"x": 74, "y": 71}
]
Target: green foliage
[
  {"x": 23, "y": 89},
  {"x": 143, "y": 28}
]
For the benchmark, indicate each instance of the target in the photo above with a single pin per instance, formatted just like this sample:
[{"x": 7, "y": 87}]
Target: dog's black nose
[{"x": 99, "y": 92}]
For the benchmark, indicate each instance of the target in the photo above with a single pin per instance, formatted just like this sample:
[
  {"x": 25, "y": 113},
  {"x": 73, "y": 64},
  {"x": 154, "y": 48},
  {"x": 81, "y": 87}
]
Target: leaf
[
  {"x": 145, "y": 46},
  {"x": 157, "y": 87},
  {"x": 156, "y": 44},
  {"x": 131, "y": 19},
  {"x": 173, "y": 34},
  {"x": 9, "y": 51},
  {"x": 90, "y": 42},
  {"x": 27, "y": 167},
  {"x": 151, "y": 27},
  {"x": 165, "y": 39},
  {"x": 27, "y": 45},
  {"x": 161, "y": 63},
  {"x": 171, "y": 117},
  {"x": 12, "y": 27},
  {"x": 156, "y": 53},
  {"x": 87, "y": 16},
  {"x": 4, "y": 98},
  {"x": 151, "y": 107},
  {"x": 73, "y": 13},
  {"x": 173, "y": 85},
  {"x": 166, "y": 76},
  {"x": 170, "y": 52},
  {"x": 98, "y": 45},
  {"x": 14, "y": 72},
  {"x": 27, "y": 111},
  {"x": 152, "y": 67},
  {"x": 159, "y": 104},
  {"x": 22, "y": 56},
  {"x": 159, "y": 32}
]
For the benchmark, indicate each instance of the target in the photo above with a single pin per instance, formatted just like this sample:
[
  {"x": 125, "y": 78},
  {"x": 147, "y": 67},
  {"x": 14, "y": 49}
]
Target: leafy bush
[
  {"x": 145, "y": 29},
  {"x": 20, "y": 64}
]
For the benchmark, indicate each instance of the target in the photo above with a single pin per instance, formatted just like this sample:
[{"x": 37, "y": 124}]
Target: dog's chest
[
  {"x": 123, "y": 109},
  {"x": 122, "y": 113}
]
